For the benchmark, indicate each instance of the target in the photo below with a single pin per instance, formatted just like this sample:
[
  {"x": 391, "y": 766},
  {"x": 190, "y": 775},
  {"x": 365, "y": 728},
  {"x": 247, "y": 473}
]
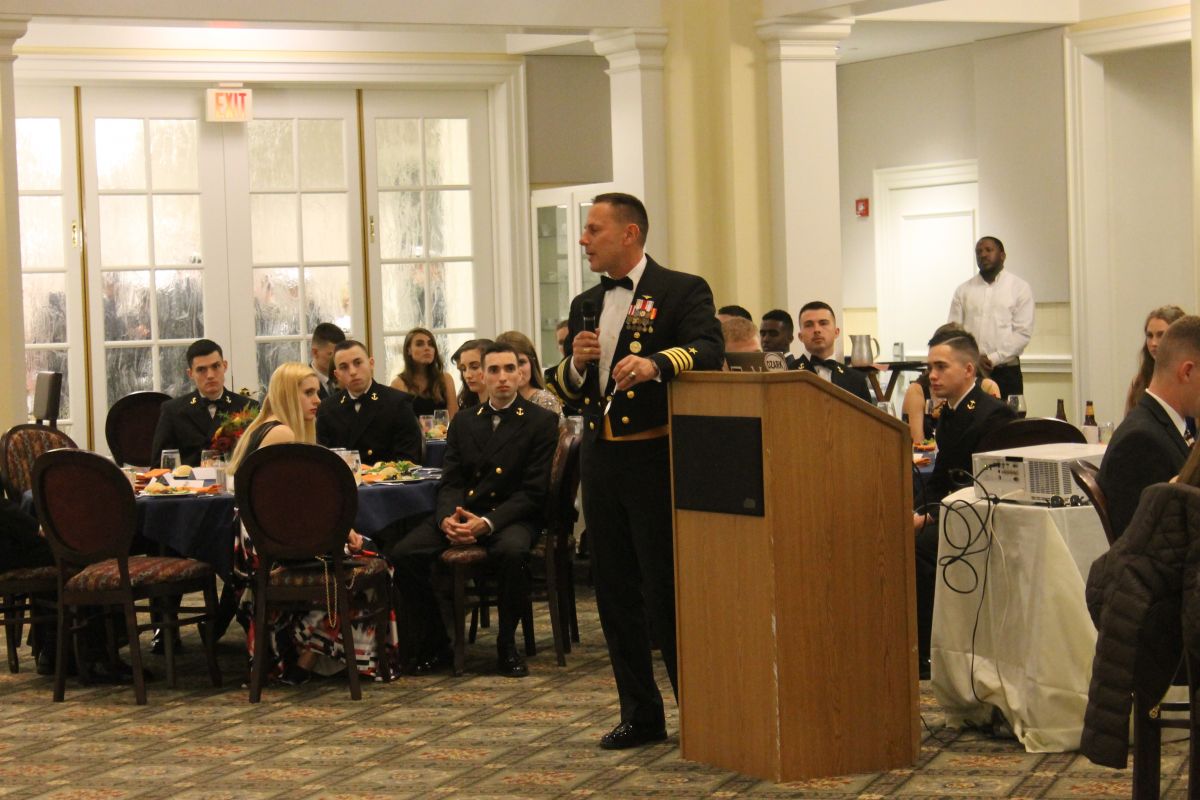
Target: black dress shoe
[
  {"x": 509, "y": 662},
  {"x": 158, "y": 646},
  {"x": 121, "y": 674},
  {"x": 923, "y": 670},
  {"x": 626, "y": 735},
  {"x": 434, "y": 663},
  {"x": 45, "y": 662}
]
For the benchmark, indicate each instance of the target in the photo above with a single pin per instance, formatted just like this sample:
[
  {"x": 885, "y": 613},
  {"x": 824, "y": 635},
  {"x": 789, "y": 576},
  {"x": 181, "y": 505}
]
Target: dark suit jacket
[
  {"x": 842, "y": 377},
  {"x": 20, "y": 544},
  {"x": 322, "y": 392},
  {"x": 1146, "y": 448},
  {"x": 958, "y": 433},
  {"x": 185, "y": 424},
  {"x": 384, "y": 429},
  {"x": 679, "y": 332},
  {"x": 503, "y": 474}
]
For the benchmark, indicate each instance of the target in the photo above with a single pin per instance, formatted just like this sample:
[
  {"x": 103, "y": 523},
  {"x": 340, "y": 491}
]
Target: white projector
[{"x": 1034, "y": 474}]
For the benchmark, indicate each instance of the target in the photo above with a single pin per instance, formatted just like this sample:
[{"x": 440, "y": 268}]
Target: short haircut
[
  {"x": 497, "y": 347},
  {"x": 629, "y": 210},
  {"x": 736, "y": 311},
  {"x": 347, "y": 344},
  {"x": 958, "y": 340},
  {"x": 817, "y": 305},
  {"x": 739, "y": 329},
  {"x": 999, "y": 244},
  {"x": 562, "y": 323},
  {"x": 1182, "y": 340},
  {"x": 328, "y": 333},
  {"x": 200, "y": 348},
  {"x": 779, "y": 315}
]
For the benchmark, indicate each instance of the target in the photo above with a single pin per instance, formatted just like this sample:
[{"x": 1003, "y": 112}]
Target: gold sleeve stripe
[
  {"x": 562, "y": 380},
  {"x": 675, "y": 354},
  {"x": 674, "y": 359}
]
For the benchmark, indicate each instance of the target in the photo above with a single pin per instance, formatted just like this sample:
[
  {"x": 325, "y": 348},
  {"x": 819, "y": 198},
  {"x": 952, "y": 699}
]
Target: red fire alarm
[{"x": 862, "y": 207}]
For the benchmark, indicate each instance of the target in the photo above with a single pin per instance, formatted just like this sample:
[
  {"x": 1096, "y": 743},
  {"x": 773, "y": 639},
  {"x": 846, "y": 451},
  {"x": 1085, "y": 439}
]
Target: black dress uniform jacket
[
  {"x": 1147, "y": 448},
  {"x": 185, "y": 424},
  {"x": 501, "y": 474},
  {"x": 842, "y": 377},
  {"x": 678, "y": 332},
  {"x": 958, "y": 434},
  {"x": 383, "y": 429}
]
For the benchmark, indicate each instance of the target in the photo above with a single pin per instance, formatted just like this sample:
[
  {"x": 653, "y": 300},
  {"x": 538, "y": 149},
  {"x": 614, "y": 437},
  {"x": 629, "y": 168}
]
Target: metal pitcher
[{"x": 861, "y": 354}]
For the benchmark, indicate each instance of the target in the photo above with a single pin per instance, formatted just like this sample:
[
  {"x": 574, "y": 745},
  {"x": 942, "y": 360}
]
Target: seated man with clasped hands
[{"x": 493, "y": 493}]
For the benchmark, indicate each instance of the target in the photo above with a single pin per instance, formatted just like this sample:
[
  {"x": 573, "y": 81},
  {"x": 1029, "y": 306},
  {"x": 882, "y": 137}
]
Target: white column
[
  {"x": 802, "y": 115},
  {"x": 12, "y": 326},
  {"x": 635, "y": 71}
]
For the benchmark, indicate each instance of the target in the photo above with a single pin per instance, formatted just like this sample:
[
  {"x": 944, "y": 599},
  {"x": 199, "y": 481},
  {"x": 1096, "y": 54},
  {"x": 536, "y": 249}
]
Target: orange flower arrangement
[{"x": 231, "y": 428}]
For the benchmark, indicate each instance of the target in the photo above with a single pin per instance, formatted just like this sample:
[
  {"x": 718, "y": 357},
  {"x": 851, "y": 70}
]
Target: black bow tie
[
  {"x": 830, "y": 364},
  {"x": 211, "y": 403},
  {"x": 612, "y": 283},
  {"x": 499, "y": 412}
]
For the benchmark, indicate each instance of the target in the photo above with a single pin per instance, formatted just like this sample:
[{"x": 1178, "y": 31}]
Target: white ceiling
[{"x": 872, "y": 39}]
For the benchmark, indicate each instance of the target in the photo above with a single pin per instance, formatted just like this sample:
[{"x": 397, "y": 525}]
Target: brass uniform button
[
  {"x": 624, "y": 420},
  {"x": 591, "y": 426},
  {"x": 637, "y": 334},
  {"x": 493, "y": 494},
  {"x": 370, "y": 452},
  {"x": 629, "y": 394},
  {"x": 471, "y": 493},
  {"x": 499, "y": 471},
  {"x": 587, "y": 401}
]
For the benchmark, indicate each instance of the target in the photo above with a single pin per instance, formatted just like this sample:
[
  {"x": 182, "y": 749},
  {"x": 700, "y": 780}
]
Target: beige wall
[
  {"x": 570, "y": 132},
  {"x": 717, "y": 170}
]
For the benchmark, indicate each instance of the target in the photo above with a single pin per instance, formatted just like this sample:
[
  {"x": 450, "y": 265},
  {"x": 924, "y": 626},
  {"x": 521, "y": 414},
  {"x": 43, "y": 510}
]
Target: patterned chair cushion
[
  {"x": 28, "y": 574},
  {"x": 142, "y": 570},
  {"x": 360, "y": 569},
  {"x": 464, "y": 555}
]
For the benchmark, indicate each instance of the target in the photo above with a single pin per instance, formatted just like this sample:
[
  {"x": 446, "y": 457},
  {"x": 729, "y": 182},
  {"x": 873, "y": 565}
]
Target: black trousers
[
  {"x": 1009, "y": 378},
  {"x": 627, "y": 507},
  {"x": 927, "y": 553},
  {"x": 416, "y": 556}
]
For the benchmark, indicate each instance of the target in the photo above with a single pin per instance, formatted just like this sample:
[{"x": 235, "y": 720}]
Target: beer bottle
[
  {"x": 1061, "y": 413},
  {"x": 1089, "y": 417}
]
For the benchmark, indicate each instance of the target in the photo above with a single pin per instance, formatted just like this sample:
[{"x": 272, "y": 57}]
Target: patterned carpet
[{"x": 479, "y": 736}]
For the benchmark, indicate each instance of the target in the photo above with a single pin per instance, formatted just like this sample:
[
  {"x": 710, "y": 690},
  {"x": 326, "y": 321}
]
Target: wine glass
[
  {"x": 209, "y": 458},
  {"x": 441, "y": 421},
  {"x": 1017, "y": 403}
]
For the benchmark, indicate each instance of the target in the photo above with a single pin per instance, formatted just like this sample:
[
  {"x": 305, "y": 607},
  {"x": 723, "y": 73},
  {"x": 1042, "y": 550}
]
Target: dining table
[{"x": 204, "y": 526}]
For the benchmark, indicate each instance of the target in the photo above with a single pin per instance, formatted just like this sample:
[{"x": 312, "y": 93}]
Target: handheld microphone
[{"x": 588, "y": 309}]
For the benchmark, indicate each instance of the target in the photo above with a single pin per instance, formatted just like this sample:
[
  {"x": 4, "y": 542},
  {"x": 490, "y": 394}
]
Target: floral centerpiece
[{"x": 230, "y": 428}]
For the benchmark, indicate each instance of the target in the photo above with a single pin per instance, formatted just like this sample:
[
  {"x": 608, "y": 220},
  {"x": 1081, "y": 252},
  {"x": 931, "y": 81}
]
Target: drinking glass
[
  {"x": 886, "y": 407},
  {"x": 441, "y": 422},
  {"x": 930, "y": 404},
  {"x": 170, "y": 460},
  {"x": 426, "y": 423},
  {"x": 354, "y": 461},
  {"x": 575, "y": 425},
  {"x": 209, "y": 458},
  {"x": 1106, "y": 432},
  {"x": 1017, "y": 403}
]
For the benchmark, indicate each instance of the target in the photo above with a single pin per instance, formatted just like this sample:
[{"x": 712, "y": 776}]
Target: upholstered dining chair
[
  {"x": 298, "y": 503},
  {"x": 1084, "y": 473},
  {"x": 129, "y": 427},
  {"x": 86, "y": 508},
  {"x": 19, "y": 604},
  {"x": 19, "y": 448},
  {"x": 1028, "y": 432}
]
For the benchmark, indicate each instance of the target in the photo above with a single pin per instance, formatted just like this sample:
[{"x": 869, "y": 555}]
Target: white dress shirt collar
[{"x": 1175, "y": 416}]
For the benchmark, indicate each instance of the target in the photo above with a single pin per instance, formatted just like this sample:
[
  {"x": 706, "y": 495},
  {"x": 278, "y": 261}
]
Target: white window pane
[
  {"x": 322, "y": 154},
  {"x": 452, "y": 295},
  {"x": 177, "y": 229},
  {"x": 270, "y": 356},
  {"x": 124, "y": 240},
  {"x": 327, "y": 294},
  {"x": 276, "y": 302},
  {"x": 272, "y": 154},
  {"x": 273, "y": 229},
  {"x": 393, "y": 354},
  {"x": 172, "y": 371},
  {"x": 180, "y": 303},
  {"x": 398, "y": 152},
  {"x": 174, "y": 155},
  {"x": 447, "y": 158},
  {"x": 127, "y": 369},
  {"x": 39, "y": 154},
  {"x": 120, "y": 154},
  {"x": 324, "y": 227},
  {"x": 41, "y": 232},
  {"x": 45, "y": 302},
  {"x": 449, "y": 222},
  {"x": 47, "y": 361},
  {"x": 403, "y": 288},
  {"x": 400, "y": 225},
  {"x": 126, "y": 305}
]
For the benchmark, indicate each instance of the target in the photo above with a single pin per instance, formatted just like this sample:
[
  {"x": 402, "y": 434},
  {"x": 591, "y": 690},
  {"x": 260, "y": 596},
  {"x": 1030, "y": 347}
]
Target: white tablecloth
[{"x": 1034, "y": 642}]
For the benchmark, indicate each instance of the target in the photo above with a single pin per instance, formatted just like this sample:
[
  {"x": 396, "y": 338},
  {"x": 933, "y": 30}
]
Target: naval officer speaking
[{"x": 643, "y": 325}]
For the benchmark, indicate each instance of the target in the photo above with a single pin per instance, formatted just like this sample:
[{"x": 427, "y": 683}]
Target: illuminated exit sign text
[{"x": 229, "y": 105}]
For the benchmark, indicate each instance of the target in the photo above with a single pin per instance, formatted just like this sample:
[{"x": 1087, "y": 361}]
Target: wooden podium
[{"x": 796, "y": 611}]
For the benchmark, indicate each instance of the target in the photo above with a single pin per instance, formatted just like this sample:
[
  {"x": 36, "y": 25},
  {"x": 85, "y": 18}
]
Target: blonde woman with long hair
[{"x": 302, "y": 643}]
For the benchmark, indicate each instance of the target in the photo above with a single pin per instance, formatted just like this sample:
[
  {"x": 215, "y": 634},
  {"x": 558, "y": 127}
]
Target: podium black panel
[{"x": 718, "y": 464}]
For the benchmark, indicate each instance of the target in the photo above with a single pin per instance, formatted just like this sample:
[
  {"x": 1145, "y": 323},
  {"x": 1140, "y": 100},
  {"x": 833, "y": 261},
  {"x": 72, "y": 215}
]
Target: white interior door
[
  {"x": 925, "y": 240},
  {"x": 428, "y": 174}
]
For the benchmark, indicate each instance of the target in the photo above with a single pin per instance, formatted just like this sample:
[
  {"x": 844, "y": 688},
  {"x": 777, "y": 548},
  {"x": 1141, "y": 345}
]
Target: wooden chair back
[
  {"x": 19, "y": 449},
  {"x": 85, "y": 505},
  {"x": 129, "y": 427},
  {"x": 1028, "y": 432},
  {"x": 1084, "y": 473}
]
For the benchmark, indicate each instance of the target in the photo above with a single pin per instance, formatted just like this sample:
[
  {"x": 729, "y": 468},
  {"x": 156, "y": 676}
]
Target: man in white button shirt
[
  {"x": 997, "y": 308},
  {"x": 1152, "y": 442}
]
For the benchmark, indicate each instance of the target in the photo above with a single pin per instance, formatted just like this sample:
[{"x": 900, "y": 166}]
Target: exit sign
[{"x": 229, "y": 105}]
